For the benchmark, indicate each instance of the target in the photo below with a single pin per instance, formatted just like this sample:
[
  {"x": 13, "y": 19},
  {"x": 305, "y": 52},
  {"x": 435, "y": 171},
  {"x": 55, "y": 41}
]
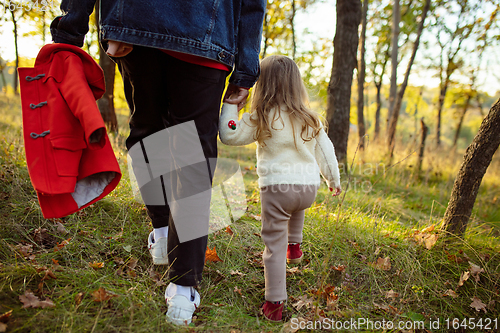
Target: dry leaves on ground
[
  {"x": 450, "y": 293},
  {"x": 211, "y": 255},
  {"x": 464, "y": 277},
  {"x": 477, "y": 304},
  {"x": 381, "y": 263},
  {"x": 475, "y": 270},
  {"x": 96, "y": 265},
  {"x": 426, "y": 237},
  {"x": 101, "y": 295},
  {"x": 4, "y": 318},
  {"x": 30, "y": 300},
  {"x": 391, "y": 294}
]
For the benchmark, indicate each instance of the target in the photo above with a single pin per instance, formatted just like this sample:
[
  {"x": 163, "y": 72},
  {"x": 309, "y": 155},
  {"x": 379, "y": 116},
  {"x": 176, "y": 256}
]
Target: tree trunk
[
  {"x": 477, "y": 158},
  {"x": 442, "y": 94},
  {"x": 265, "y": 30},
  {"x": 106, "y": 102},
  {"x": 15, "y": 81},
  {"x": 377, "y": 111},
  {"x": 461, "y": 120},
  {"x": 424, "y": 131},
  {"x": 391, "y": 133},
  {"x": 292, "y": 26},
  {"x": 361, "y": 76},
  {"x": 378, "y": 85},
  {"x": 396, "y": 18},
  {"x": 344, "y": 61}
]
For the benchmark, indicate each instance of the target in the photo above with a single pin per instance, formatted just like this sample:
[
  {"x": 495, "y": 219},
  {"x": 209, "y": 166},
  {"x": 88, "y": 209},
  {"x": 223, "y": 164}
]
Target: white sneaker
[
  {"x": 158, "y": 249},
  {"x": 180, "y": 308}
]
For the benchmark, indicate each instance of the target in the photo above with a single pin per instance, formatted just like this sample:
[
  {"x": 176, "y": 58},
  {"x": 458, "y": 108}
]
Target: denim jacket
[{"x": 228, "y": 31}]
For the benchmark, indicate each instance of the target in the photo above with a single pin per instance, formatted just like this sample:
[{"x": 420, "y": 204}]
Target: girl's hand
[
  {"x": 118, "y": 49},
  {"x": 236, "y": 95},
  {"x": 337, "y": 192}
]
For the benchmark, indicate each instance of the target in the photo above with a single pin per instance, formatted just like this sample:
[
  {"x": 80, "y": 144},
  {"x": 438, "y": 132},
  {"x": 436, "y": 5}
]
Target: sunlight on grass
[{"x": 363, "y": 258}]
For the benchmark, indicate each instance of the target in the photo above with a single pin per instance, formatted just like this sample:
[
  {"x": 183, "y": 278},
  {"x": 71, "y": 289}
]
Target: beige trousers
[{"x": 282, "y": 211}]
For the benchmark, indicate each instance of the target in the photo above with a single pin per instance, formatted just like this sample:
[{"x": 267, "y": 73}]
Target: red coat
[{"x": 70, "y": 160}]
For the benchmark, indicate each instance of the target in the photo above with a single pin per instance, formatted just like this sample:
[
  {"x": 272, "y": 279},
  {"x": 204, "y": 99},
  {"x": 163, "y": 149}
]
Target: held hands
[
  {"x": 118, "y": 49},
  {"x": 337, "y": 192},
  {"x": 236, "y": 95}
]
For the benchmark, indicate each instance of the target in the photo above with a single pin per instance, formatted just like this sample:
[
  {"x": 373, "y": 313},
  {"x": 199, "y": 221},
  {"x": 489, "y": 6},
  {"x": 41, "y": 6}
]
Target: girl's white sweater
[{"x": 279, "y": 160}]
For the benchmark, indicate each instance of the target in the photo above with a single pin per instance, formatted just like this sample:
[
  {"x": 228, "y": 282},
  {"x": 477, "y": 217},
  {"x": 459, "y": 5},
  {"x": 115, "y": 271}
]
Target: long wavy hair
[{"x": 280, "y": 87}]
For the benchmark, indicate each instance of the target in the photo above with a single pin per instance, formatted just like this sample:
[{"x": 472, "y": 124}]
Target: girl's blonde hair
[{"x": 280, "y": 86}]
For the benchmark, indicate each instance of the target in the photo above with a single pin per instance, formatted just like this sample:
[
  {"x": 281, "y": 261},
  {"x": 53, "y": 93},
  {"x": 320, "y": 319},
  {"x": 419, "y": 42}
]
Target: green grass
[{"x": 342, "y": 237}]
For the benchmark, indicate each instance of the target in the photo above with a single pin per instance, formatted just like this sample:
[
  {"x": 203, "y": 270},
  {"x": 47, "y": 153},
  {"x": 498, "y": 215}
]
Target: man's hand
[
  {"x": 236, "y": 95},
  {"x": 337, "y": 192},
  {"x": 118, "y": 49}
]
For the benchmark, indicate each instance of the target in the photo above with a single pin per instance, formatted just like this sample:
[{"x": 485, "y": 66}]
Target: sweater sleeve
[
  {"x": 327, "y": 161},
  {"x": 243, "y": 132}
]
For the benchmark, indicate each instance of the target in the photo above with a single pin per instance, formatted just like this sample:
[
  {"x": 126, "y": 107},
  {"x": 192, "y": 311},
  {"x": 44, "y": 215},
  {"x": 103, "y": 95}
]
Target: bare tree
[
  {"x": 451, "y": 40},
  {"x": 344, "y": 61},
  {"x": 477, "y": 158},
  {"x": 106, "y": 102},
  {"x": 396, "y": 18},
  {"x": 361, "y": 76},
  {"x": 393, "y": 120}
]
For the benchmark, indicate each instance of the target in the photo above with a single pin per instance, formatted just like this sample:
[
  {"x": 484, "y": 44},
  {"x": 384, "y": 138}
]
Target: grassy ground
[{"x": 364, "y": 258}]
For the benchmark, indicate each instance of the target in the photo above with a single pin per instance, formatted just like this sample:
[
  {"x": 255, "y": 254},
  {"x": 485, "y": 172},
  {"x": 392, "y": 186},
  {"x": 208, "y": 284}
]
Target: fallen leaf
[
  {"x": 464, "y": 277},
  {"x": 25, "y": 250},
  {"x": 132, "y": 263},
  {"x": 101, "y": 295},
  {"x": 377, "y": 251},
  {"x": 256, "y": 216},
  {"x": 292, "y": 271},
  {"x": 426, "y": 239},
  {"x": 475, "y": 270},
  {"x": 450, "y": 293},
  {"x": 118, "y": 260},
  {"x": 237, "y": 273},
  {"x": 30, "y": 300},
  {"x": 478, "y": 304},
  {"x": 257, "y": 234},
  {"x": 229, "y": 231},
  {"x": 382, "y": 307},
  {"x": 156, "y": 277},
  {"x": 96, "y": 265},
  {"x": 5, "y": 317},
  {"x": 237, "y": 290},
  {"x": 339, "y": 268},
  {"x": 303, "y": 301},
  {"x": 429, "y": 228},
  {"x": 60, "y": 228},
  {"x": 332, "y": 301},
  {"x": 63, "y": 244},
  {"x": 391, "y": 294},
  {"x": 382, "y": 264},
  {"x": 41, "y": 236},
  {"x": 79, "y": 298},
  {"x": 211, "y": 255}
]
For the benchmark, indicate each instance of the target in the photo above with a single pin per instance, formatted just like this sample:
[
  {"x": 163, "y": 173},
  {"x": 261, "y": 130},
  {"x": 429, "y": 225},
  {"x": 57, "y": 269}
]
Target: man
[{"x": 174, "y": 57}]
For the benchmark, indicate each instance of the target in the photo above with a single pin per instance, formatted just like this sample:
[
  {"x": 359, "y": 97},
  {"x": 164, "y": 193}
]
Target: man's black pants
[{"x": 163, "y": 91}]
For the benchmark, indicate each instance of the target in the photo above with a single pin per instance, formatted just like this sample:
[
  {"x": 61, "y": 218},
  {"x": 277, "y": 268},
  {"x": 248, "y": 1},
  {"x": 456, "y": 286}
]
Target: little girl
[{"x": 291, "y": 143}]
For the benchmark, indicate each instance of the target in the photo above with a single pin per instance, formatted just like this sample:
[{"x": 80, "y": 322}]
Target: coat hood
[{"x": 93, "y": 72}]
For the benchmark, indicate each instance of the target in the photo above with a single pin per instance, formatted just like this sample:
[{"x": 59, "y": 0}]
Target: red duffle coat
[{"x": 68, "y": 153}]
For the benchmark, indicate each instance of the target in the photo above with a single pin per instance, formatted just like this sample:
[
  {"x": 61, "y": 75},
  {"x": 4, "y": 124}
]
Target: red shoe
[
  {"x": 272, "y": 311},
  {"x": 294, "y": 254}
]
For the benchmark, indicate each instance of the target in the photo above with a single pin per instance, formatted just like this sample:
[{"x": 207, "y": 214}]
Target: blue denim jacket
[{"x": 228, "y": 31}]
